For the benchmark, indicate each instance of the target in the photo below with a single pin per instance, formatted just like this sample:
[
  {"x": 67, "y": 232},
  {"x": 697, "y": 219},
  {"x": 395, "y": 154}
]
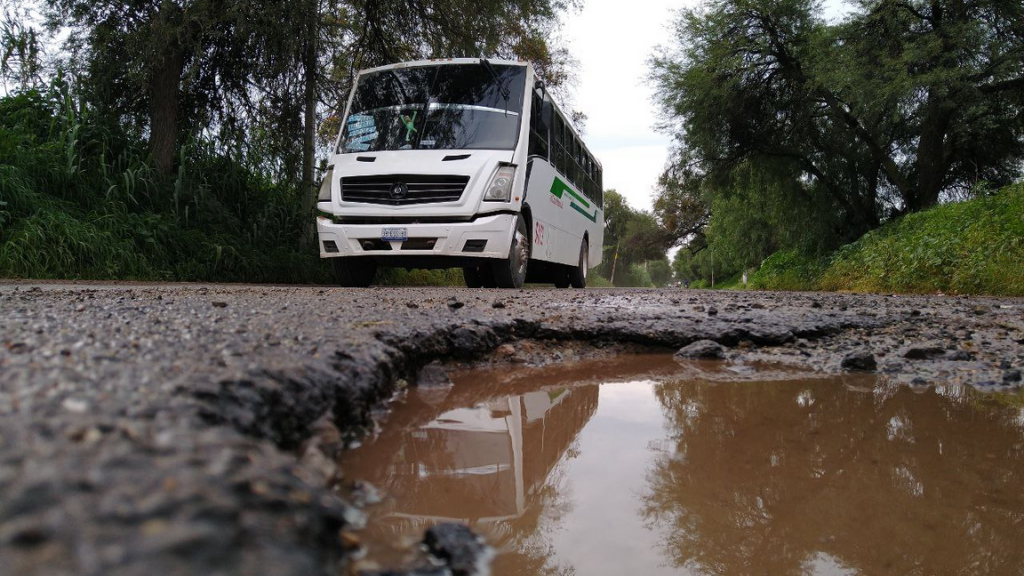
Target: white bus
[{"x": 460, "y": 163}]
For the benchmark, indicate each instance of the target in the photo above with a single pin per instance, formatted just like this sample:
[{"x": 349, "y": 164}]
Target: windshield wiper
[{"x": 502, "y": 88}]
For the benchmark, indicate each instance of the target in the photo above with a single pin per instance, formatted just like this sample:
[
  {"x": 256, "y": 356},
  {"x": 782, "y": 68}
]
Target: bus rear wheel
[
  {"x": 578, "y": 274},
  {"x": 354, "y": 272},
  {"x": 510, "y": 272}
]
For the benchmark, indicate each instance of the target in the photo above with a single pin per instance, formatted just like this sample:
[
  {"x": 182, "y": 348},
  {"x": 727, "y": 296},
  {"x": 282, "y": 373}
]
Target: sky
[{"x": 612, "y": 40}]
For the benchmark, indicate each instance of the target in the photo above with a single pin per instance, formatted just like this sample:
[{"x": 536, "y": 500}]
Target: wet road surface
[{"x": 184, "y": 429}]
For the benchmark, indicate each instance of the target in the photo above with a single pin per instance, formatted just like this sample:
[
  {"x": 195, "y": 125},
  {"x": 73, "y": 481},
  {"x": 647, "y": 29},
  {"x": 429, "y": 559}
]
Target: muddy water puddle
[{"x": 638, "y": 465}]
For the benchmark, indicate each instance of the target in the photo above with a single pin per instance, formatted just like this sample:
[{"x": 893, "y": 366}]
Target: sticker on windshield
[
  {"x": 362, "y": 143},
  {"x": 428, "y": 143},
  {"x": 362, "y": 132},
  {"x": 361, "y": 124}
]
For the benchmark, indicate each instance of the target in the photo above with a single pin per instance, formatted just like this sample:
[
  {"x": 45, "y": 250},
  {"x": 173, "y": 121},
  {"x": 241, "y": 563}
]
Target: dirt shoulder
[{"x": 187, "y": 429}]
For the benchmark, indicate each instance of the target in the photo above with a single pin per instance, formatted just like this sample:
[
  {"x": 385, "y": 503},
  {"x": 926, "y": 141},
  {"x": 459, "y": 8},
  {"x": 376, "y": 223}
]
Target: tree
[
  {"x": 630, "y": 236},
  {"x": 905, "y": 101},
  {"x": 682, "y": 204},
  {"x": 175, "y": 68},
  {"x": 660, "y": 271}
]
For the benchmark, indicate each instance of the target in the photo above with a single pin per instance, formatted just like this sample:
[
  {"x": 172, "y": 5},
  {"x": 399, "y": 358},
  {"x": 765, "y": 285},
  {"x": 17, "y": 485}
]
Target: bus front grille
[{"x": 402, "y": 189}]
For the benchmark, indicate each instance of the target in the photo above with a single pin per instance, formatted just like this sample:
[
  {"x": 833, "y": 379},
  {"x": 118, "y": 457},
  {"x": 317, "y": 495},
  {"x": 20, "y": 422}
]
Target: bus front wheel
[
  {"x": 578, "y": 274},
  {"x": 473, "y": 276},
  {"x": 354, "y": 272},
  {"x": 560, "y": 276},
  {"x": 511, "y": 272}
]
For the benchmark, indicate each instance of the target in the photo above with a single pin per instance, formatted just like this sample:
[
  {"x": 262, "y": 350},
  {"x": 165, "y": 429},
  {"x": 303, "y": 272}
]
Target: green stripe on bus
[
  {"x": 558, "y": 187},
  {"x": 587, "y": 215}
]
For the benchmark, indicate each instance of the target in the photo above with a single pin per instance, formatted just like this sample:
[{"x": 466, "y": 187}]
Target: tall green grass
[
  {"x": 79, "y": 199},
  {"x": 972, "y": 247}
]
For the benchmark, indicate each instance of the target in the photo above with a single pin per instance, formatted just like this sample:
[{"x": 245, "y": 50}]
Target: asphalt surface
[{"x": 184, "y": 429}]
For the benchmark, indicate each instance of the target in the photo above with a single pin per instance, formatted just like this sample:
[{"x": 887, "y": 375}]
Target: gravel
[{"x": 190, "y": 429}]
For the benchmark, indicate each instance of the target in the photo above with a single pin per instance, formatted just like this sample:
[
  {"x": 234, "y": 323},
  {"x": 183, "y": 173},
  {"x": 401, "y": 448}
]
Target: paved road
[{"x": 186, "y": 429}]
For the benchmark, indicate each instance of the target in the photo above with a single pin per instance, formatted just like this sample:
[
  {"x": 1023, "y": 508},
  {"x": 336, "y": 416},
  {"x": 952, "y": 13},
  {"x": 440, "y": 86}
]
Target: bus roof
[{"x": 435, "y": 62}]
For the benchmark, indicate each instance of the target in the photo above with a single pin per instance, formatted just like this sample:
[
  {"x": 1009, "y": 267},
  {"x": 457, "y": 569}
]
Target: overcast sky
[{"x": 613, "y": 40}]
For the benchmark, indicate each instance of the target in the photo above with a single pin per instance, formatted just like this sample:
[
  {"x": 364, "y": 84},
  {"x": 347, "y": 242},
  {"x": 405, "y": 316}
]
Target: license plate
[{"x": 394, "y": 234}]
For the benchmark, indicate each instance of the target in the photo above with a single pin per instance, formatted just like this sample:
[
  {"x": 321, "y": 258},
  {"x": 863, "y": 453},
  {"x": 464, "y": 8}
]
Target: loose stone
[
  {"x": 860, "y": 361},
  {"x": 702, "y": 349}
]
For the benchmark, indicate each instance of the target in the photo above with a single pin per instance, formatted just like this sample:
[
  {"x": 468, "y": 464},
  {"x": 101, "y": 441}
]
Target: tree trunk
[
  {"x": 931, "y": 154},
  {"x": 309, "y": 62},
  {"x": 163, "y": 128}
]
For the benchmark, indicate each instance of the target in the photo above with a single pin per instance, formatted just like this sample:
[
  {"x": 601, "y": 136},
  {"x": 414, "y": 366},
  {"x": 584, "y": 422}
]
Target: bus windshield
[{"x": 446, "y": 107}]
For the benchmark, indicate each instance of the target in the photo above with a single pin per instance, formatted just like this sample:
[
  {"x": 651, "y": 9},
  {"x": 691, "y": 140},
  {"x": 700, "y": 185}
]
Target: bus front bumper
[{"x": 484, "y": 237}]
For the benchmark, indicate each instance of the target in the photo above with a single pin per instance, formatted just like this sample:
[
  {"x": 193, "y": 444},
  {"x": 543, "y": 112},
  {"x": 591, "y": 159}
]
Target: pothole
[{"x": 641, "y": 464}]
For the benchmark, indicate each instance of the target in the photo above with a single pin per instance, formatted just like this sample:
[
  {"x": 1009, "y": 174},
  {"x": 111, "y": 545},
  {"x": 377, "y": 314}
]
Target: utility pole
[
  {"x": 712, "y": 267},
  {"x": 615, "y": 261}
]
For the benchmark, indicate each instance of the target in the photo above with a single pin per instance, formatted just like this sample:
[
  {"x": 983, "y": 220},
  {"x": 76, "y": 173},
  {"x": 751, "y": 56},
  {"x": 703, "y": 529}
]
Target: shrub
[
  {"x": 972, "y": 247},
  {"x": 787, "y": 270}
]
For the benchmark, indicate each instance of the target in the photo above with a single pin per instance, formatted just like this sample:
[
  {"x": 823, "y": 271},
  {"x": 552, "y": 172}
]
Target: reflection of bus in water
[{"x": 486, "y": 464}]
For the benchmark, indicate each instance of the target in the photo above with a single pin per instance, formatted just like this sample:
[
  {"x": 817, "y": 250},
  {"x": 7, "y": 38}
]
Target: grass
[
  {"x": 732, "y": 282},
  {"x": 402, "y": 277},
  {"x": 972, "y": 247}
]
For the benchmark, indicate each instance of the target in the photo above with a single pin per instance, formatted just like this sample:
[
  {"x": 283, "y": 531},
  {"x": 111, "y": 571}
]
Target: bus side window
[
  {"x": 574, "y": 166},
  {"x": 581, "y": 167},
  {"x": 556, "y": 141},
  {"x": 571, "y": 140},
  {"x": 566, "y": 147},
  {"x": 538, "y": 130},
  {"x": 590, "y": 178}
]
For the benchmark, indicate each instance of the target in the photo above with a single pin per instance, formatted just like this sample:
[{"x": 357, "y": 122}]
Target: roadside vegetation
[
  {"x": 79, "y": 199},
  {"x": 972, "y": 247},
  {"x": 634, "y": 247},
  {"x": 858, "y": 154}
]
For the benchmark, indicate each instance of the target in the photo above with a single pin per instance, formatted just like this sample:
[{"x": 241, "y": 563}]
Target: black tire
[
  {"x": 578, "y": 274},
  {"x": 487, "y": 277},
  {"x": 510, "y": 272},
  {"x": 560, "y": 276},
  {"x": 478, "y": 276},
  {"x": 354, "y": 272},
  {"x": 471, "y": 274}
]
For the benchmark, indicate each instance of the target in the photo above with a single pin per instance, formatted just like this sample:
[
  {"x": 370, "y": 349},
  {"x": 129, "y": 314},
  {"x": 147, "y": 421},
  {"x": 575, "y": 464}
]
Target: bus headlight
[
  {"x": 500, "y": 188},
  {"x": 325, "y": 187}
]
